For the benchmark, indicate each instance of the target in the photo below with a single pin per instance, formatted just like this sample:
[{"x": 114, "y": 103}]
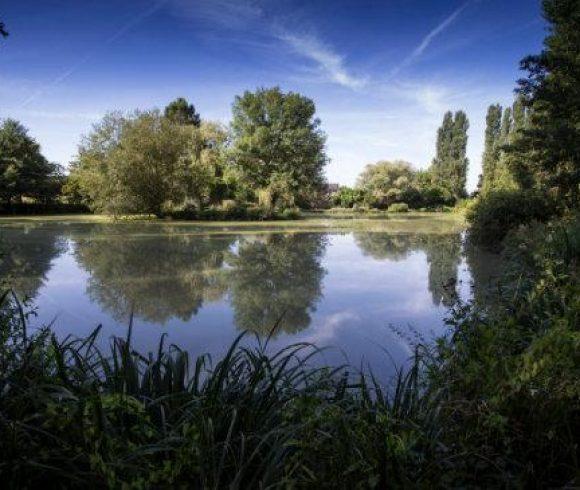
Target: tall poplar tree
[
  {"x": 459, "y": 162},
  {"x": 491, "y": 150},
  {"x": 443, "y": 150},
  {"x": 503, "y": 177},
  {"x": 449, "y": 167},
  {"x": 520, "y": 115}
]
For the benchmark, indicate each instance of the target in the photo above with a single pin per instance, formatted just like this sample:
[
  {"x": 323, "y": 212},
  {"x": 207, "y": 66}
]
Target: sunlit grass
[{"x": 412, "y": 222}]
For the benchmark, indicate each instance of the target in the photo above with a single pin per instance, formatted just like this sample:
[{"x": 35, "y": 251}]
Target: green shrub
[
  {"x": 186, "y": 212},
  {"x": 290, "y": 213},
  {"x": 359, "y": 208},
  {"x": 493, "y": 215},
  {"x": 398, "y": 207},
  {"x": 510, "y": 370}
]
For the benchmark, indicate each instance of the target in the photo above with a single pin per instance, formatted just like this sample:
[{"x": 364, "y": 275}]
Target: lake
[{"x": 370, "y": 289}]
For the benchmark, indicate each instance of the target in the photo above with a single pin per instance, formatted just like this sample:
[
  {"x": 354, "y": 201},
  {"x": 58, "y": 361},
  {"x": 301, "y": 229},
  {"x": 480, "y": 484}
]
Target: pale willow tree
[
  {"x": 145, "y": 163},
  {"x": 278, "y": 146},
  {"x": 203, "y": 164},
  {"x": 385, "y": 182}
]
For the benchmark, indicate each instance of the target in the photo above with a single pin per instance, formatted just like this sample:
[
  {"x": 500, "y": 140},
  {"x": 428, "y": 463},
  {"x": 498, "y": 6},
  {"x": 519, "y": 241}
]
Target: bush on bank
[
  {"x": 493, "y": 215},
  {"x": 398, "y": 207},
  {"x": 37, "y": 208}
]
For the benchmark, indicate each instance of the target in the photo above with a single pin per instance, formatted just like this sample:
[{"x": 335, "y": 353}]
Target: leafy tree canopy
[
  {"x": 276, "y": 138},
  {"x": 548, "y": 152},
  {"x": 24, "y": 171},
  {"x": 144, "y": 161}
]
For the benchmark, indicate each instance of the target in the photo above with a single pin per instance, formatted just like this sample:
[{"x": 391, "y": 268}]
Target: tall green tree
[
  {"x": 277, "y": 140},
  {"x": 491, "y": 149},
  {"x": 459, "y": 161},
  {"x": 443, "y": 149},
  {"x": 182, "y": 112},
  {"x": 547, "y": 154},
  {"x": 520, "y": 116},
  {"x": 506, "y": 126},
  {"x": 449, "y": 167},
  {"x": 24, "y": 171},
  {"x": 503, "y": 175}
]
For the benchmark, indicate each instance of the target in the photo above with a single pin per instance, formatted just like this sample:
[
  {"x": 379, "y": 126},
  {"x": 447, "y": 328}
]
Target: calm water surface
[{"x": 362, "y": 288}]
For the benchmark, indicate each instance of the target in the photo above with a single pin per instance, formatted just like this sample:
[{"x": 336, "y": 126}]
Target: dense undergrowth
[{"x": 494, "y": 404}]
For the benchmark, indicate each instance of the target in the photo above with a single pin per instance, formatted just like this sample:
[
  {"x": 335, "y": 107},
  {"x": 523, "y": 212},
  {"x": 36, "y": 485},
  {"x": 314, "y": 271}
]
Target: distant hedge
[{"x": 28, "y": 209}]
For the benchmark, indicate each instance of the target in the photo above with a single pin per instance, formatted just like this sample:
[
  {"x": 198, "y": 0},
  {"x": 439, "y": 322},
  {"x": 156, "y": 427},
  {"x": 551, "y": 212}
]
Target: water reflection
[
  {"x": 162, "y": 273},
  {"x": 157, "y": 278},
  {"x": 276, "y": 280},
  {"x": 26, "y": 255},
  {"x": 443, "y": 252}
]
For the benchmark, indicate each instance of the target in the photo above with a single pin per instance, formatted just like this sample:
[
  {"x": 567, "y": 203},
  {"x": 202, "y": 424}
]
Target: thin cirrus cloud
[
  {"x": 428, "y": 39},
  {"x": 330, "y": 64},
  {"x": 124, "y": 29},
  {"x": 239, "y": 15}
]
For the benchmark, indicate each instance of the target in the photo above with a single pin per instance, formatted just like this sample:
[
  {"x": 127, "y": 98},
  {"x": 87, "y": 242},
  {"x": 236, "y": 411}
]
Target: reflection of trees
[
  {"x": 384, "y": 246},
  {"x": 486, "y": 269},
  {"x": 277, "y": 279},
  {"x": 443, "y": 253},
  {"x": 157, "y": 276},
  {"x": 26, "y": 254}
]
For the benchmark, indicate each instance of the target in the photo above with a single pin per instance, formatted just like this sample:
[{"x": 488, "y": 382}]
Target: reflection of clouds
[{"x": 328, "y": 326}]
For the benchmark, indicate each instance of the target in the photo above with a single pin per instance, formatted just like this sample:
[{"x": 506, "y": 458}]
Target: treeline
[
  {"x": 397, "y": 186},
  {"x": 268, "y": 163},
  {"x": 531, "y": 162},
  {"x": 28, "y": 181}
]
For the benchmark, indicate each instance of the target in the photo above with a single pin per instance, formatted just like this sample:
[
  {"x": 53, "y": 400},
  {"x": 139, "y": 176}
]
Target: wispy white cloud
[
  {"x": 428, "y": 39},
  {"x": 240, "y": 15},
  {"x": 418, "y": 51},
  {"x": 430, "y": 98},
  {"x": 330, "y": 63}
]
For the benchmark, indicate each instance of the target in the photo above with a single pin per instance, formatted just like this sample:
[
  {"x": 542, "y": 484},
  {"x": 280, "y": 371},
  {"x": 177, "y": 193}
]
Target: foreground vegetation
[{"x": 496, "y": 403}]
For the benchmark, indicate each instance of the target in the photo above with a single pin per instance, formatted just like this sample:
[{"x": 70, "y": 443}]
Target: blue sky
[{"x": 382, "y": 72}]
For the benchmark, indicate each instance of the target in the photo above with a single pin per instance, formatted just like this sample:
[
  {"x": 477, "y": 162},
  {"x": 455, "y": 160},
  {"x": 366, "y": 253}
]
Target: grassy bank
[
  {"x": 409, "y": 222},
  {"x": 494, "y": 404}
]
